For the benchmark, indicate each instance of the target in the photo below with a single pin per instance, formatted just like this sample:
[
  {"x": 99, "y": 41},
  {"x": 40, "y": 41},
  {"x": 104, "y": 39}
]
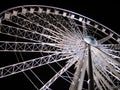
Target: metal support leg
[
  {"x": 90, "y": 70},
  {"x": 74, "y": 84}
]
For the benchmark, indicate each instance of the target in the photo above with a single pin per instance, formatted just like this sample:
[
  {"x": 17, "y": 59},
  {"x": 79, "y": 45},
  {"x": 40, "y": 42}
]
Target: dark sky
[{"x": 106, "y": 13}]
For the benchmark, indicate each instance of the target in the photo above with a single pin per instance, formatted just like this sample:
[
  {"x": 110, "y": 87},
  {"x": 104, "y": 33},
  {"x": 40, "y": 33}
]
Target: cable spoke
[
  {"x": 68, "y": 74},
  {"x": 110, "y": 46},
  {"x": 101, "y": 62},
  {"x": 111, "y": 50},
  {"x": 61, "y": 75},
  {"x": 103, "y": 80},
  {"x": 53, "y": 20},
  {"x": 67, "y": 66},
  {"x": 30, "y": 26},
  {"x": 18, "y": 59}
]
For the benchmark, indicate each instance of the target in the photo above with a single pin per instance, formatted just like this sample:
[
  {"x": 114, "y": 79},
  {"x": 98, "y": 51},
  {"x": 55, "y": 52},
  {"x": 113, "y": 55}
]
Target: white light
[
  {"x": 80, "y": 19},
  {"x": 64, "y": 14}
]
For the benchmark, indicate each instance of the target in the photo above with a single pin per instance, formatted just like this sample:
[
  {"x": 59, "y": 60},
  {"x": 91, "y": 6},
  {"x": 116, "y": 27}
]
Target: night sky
[{"x": 106, "y": 13}]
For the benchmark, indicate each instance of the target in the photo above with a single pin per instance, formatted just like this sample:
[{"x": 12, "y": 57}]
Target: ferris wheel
[{"x": 39, "y": 36}]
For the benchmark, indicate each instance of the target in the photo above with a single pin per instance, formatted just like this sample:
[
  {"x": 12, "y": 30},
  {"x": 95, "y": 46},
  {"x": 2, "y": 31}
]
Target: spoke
[
  {"x": 111, "y": 50},
  {"x": 104, "y": 82},
  {"x": 111, "y": 69},
  {"x": 9, "y": 46},
  {"x": 57, "y": 22},
  {"x": 33, "y": 26},
  {"x": 69, "y": 75},
  {"x": 66, "y": 27},
  {"x": 30, "y": 80},
  {"x": 110, "y": 46},
  {"x": 75, "y": 29},
  {"x": 101, "y": 62},
  {"x": 97, "y": 81},
  {"x": 30, "y": 71},
  {"x": 70, "y": 27},
  {"x": 105, "y": 39},
  {"x": 41, "y": 21},
  {"x": 96, "y": 67},
  {"x": 61, "y": 75},
  {"x": 18, "y": 32},
  {"x": 107, "y": 61},
  {"x": 105, "y": 74},
  {"x": 26, "y": 34},
  {"x": 84, "y": 29},
  {"x": 18, "y": 59},
  {"x": 45, "y": 25},
  {"x": 64, "y": 69},
  {"x": 44, "y": 32},
  {"x": 30, "y": 64}
]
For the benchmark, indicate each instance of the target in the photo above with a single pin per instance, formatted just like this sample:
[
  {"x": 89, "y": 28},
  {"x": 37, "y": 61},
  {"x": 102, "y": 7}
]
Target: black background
[{"x": 106, "y": 13}]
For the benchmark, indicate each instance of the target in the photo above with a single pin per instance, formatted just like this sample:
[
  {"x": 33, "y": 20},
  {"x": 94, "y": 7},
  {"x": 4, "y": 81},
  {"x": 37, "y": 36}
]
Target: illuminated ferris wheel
[{"x": 41, "y": 36}]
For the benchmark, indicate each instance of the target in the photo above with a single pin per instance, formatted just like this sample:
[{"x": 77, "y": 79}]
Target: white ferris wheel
[{"x": 39, "y": 35}]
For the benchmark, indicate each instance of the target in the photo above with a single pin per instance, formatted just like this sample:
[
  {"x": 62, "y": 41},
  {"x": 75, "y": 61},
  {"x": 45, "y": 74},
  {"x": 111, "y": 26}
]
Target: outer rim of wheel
[{"x": 72, "y": 15}]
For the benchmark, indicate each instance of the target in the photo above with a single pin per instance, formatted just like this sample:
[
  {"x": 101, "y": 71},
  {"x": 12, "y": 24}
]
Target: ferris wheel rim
[{"x": 69, "y": 11}]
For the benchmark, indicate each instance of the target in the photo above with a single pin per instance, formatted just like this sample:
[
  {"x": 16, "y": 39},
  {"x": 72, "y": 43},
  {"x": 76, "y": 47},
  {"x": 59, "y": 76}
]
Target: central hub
[{"x": 90, "y": 40}]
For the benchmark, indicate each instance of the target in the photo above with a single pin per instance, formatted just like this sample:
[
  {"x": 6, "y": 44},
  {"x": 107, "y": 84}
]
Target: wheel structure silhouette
[{"x": 78, "y": 50}]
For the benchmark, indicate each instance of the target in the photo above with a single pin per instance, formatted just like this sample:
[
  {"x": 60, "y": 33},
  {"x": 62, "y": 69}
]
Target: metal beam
[{"x": 90, "y": 70}]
